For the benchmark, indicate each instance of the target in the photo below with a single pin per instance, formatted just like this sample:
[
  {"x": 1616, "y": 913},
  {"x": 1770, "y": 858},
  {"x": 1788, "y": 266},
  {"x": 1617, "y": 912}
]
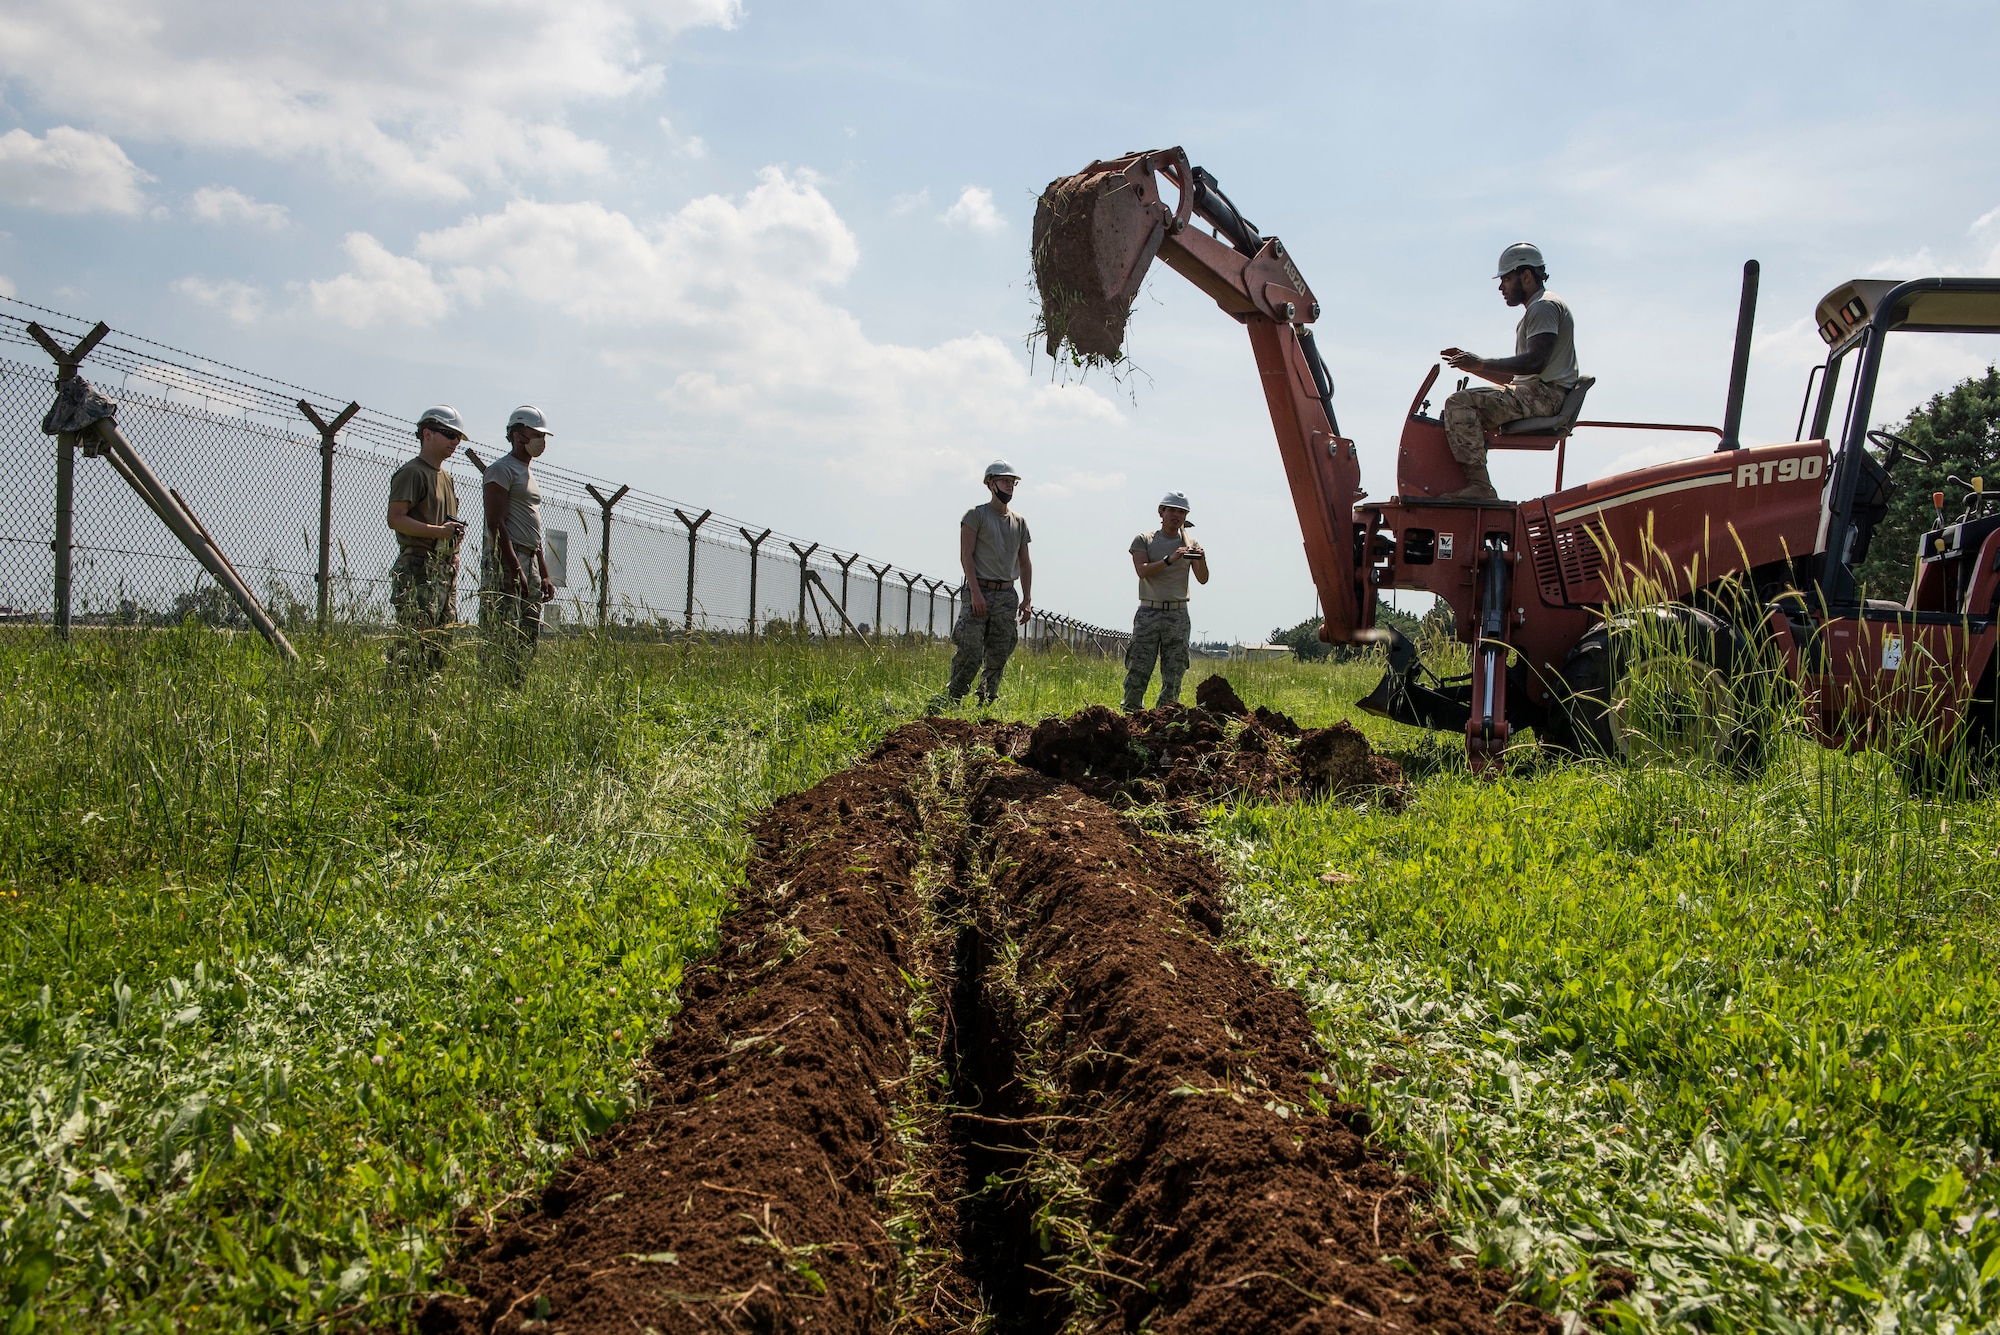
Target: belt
[
  {"x": 996, "y": 583},
  {"x": 1163, "y": 602}
]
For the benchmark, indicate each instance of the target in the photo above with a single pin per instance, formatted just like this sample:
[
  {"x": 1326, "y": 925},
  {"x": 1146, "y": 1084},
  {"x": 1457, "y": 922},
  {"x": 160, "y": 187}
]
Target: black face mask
[{"x": 1004, "y": 497}]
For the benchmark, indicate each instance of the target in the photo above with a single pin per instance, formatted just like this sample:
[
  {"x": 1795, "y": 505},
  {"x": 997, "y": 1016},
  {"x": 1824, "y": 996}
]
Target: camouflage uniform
[
  {"x": 1470, "y": 413},
  {"x": 1158, "y": 633},
  {"x": 510, "y": 616},
  {"x": 423, "y": 584},
  {"x": 984, "y": 642}
]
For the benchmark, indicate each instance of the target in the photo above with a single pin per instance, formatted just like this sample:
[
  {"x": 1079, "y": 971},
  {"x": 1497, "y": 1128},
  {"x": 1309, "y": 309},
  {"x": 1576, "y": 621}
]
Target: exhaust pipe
[{"x": 1739, "y": 365}]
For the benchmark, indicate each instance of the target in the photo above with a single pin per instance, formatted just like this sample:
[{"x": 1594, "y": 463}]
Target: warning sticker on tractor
[{"x": 1892, "y": 652}]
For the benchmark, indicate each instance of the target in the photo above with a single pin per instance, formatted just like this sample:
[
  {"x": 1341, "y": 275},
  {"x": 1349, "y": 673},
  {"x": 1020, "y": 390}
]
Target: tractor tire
[{"x": 1667, "y": 682}]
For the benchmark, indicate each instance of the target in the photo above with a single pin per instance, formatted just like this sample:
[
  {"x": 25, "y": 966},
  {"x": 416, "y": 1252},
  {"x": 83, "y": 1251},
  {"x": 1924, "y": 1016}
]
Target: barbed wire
[{"x": 212, "y": 398}]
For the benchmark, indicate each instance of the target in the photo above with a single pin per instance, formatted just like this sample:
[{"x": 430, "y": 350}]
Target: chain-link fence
[{"x": 301, "y": 517}]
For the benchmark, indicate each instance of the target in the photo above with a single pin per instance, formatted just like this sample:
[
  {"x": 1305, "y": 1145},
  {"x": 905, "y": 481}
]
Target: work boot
[{"x": 1478, "y": 486}]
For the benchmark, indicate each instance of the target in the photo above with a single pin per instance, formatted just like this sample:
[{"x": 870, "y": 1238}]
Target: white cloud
[
  {"x": 916, "y": 201},
  {"x": 68, "y": 171},
  {"x": 242, "y": 302},
  {"x": 683, "y": 145},
  {"x": 6, "y": 286},
  {"x": 1071, "y": 482},
  {"x": 379, "y": 289},
  {"x": 723, "y": 305},
  {"x": 974, "y": 209},
  {"x": 226, "y": 204},
  {"x": 426, "y": 96}
]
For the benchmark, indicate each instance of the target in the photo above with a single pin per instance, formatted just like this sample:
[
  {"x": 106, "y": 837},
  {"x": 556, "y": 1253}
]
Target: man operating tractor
[{"x": 1532, "y": 383}]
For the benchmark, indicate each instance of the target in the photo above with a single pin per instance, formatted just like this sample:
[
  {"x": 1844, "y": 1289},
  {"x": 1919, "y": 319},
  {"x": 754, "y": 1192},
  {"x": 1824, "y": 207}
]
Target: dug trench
[{"x": 973, "y": 1054}]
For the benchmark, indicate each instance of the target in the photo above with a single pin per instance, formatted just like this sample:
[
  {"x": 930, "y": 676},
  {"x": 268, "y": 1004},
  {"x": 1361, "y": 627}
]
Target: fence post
[
  {"x": 804, "y": 553},
  {"x": 755, "y": 543},
  {"x": 693, "y": 527},
  {"x": 930, "y": 608},
  {"x": 604, "y": 504},
  {"x": 953, "y": 596},
  {"x": 843, "y": 581},
  {"x": 878, "y": 572},
  {"x": 66, "y": 364},
  {"x": 326, "y": 433},
  {"x": 909, "y": 600}
]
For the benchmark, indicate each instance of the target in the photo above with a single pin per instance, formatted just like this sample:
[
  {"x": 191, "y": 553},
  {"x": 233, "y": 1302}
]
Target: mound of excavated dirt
[
  {"x": 744, "y": 1197},
  {"x": 971, "y": 1054},
  {"x": 1172, "y": 1084},
  {"x": 1217, "y": 750}
]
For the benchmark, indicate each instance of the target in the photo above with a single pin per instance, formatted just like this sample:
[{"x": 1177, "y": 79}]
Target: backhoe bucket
[{"x": 1096, "y": 234}]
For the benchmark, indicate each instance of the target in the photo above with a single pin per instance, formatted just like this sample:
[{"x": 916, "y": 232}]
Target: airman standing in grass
[
  {"x": 993, "y": 552},
  {"x": 1162, "y": 559},
  {"x": 514, "y": 572},
  {"x": 423, "y": 514}
]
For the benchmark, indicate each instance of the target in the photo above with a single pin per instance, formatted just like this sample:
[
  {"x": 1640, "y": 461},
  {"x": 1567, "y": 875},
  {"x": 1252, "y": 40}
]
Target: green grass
[
  {"x": 298, "y": 967},
  {"x": 1737, "y": 1036}
]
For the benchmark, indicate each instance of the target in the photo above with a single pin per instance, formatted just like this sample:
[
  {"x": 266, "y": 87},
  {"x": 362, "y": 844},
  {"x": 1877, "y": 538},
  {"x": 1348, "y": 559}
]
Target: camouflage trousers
[
  {"x": 1471, "y": 413},
  {"x": 423, "y": 590},
  {"x": 1158, "y": 634},
  {"x": 983, "y": 642},
  {"x": 510, "y": 616}
]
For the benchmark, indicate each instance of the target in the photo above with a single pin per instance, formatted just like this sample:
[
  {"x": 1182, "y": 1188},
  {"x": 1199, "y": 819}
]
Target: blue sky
[{"x": 771, "y": 257}]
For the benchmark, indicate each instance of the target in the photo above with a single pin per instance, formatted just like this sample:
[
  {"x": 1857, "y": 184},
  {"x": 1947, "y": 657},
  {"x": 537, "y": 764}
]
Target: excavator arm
[{"x": 1098, "y": 232}]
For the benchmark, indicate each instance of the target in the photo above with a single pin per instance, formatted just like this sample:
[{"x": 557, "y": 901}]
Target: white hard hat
[
  {"x": 1521, "y": 253},
  {"x": 529, "y": 416},
  {"x": 1001, "y": 468},
  {"x": 1176, "y": 500},
  {"x": 443, "y": 415}
]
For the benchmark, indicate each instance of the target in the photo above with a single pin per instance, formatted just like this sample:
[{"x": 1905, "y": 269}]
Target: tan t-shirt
[
  {"x": 431, "y": 498},
  {"x": 996, "y": 548},
  {"x": 1549, "y": 314},
  {"x": 1171, "y": 584},
  {"x": 524, "y": 501}
]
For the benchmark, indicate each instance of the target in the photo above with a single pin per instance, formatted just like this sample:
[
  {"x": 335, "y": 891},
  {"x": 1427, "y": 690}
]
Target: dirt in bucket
[
  {"x": 974, "y": 1054},
  {"x": 1082, "y": 306}
]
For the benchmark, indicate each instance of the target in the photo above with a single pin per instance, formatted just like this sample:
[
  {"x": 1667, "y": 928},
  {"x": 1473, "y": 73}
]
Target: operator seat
[{"x": 1552, "y": 429}]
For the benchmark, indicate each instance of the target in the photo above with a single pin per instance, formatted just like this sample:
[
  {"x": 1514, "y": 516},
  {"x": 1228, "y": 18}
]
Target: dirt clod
[{"x": 1217, "y": 696}]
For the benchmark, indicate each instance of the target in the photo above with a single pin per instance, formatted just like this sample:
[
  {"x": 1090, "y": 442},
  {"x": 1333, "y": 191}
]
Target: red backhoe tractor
[{"x": 1716, "y": 572}]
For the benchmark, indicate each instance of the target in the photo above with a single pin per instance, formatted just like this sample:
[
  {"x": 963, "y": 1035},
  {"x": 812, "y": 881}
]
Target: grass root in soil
[{"x": 972, "y": 1054}]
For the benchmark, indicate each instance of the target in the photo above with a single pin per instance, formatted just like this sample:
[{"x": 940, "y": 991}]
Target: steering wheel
[{"x": 1894, "y": 448}]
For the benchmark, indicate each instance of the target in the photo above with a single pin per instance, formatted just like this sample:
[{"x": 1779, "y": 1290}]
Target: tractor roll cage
[{"x": 1927, "y": 305}]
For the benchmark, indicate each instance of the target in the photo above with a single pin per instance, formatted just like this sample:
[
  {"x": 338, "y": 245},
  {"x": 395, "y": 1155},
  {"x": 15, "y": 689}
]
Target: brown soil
[
  {"x": 1104, "y": 1119},
  {"x": 1081, "y": 304},
  {"x": 1220, "y": 749},
  {"x": 1217, "y": 696}
]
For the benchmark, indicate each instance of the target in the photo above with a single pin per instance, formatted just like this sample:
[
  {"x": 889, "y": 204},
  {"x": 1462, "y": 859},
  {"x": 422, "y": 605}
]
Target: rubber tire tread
[{"x": 1598, "y": 661}]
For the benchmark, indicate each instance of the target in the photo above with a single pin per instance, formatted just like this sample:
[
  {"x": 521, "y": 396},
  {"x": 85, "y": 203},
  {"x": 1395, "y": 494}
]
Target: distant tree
[
  {"x": 1306, "y": 645},
  {"x": 1960, "y": 430}
]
